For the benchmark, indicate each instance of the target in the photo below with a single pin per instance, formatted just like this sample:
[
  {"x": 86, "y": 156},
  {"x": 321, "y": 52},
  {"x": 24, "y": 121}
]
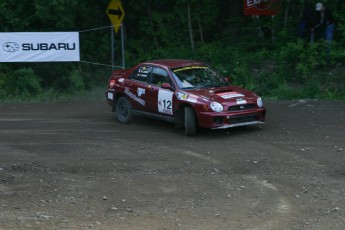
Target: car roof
[{"x": 174, "y": 63}]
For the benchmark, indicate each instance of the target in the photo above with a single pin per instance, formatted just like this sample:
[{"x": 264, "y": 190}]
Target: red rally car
[{"x": 189, "y": 93}]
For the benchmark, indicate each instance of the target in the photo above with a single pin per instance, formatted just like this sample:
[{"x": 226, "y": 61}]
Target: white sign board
[{"x": 39, "y": 47}]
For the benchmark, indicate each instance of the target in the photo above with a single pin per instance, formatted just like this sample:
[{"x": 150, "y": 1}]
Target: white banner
[{"x": 39, "y": 47}]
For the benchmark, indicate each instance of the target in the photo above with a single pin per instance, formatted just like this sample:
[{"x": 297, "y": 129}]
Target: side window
[
  {"x": 159, "y": 76},
  {"x": 141, "y": 74}
]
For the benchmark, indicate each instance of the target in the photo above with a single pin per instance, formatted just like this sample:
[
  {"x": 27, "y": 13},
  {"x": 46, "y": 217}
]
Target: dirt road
[{"x": 72, "y": 166}]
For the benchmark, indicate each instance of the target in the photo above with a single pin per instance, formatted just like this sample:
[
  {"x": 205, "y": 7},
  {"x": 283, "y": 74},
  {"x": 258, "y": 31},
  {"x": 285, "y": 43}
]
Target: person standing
[
  {"x": 307, "y": 21},
  {"x": 325, "y": 25}
]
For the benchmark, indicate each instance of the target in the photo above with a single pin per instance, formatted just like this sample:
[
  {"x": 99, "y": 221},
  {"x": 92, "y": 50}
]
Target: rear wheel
[
  {"x": 123, "y": 110},
  {"x": 189, "y": 121}
]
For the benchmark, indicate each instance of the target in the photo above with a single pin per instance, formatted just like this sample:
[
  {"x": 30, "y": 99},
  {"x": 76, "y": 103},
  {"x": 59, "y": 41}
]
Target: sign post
[
  {"x": 256, "y": 8},
  {"x": 116, "y": 14}
]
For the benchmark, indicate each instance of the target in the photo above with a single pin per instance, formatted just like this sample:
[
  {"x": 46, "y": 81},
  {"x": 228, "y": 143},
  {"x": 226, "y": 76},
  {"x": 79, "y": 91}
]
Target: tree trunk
[
  {"x": 286, "y": 14},
  {"x": 234, "y": 29},
  {"x": 151, "y": 23},
  {"x": 201, "y": 34},
  {"x": 190, "y": 27}
]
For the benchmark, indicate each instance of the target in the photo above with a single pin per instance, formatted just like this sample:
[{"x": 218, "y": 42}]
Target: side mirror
[{"x": 167, "y": 86}]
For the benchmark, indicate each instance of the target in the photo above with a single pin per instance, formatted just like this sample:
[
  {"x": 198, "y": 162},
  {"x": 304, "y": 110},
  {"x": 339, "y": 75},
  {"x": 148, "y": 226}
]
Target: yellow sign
[{"x": 116, "y": 13}]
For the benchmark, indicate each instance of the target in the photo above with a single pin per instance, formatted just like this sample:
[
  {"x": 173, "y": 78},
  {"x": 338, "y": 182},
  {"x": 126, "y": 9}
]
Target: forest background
[{"x": 263, "y": 53}]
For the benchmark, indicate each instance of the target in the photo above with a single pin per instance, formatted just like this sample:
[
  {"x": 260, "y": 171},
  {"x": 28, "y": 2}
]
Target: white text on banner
[{"x": 39, "y": 47}]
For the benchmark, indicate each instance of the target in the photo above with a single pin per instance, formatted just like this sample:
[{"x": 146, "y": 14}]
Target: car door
[
  {"x": 137, "y": 87},
  {"x": 160, "y": 99}
]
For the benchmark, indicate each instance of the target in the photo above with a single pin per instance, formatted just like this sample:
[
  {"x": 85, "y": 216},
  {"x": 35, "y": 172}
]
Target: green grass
[{"x": 52, "y": 95}]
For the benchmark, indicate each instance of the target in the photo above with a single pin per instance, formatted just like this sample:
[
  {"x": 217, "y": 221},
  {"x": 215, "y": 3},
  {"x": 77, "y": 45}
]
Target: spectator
[
  {"x": 307, "y": 22},
  {"x": 325, "y": 25}
]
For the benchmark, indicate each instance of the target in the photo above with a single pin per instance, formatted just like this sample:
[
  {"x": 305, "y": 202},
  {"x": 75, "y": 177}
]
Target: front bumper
[
  {"x": 226, "y": 120},
  {"x": 240, "y": 124}
]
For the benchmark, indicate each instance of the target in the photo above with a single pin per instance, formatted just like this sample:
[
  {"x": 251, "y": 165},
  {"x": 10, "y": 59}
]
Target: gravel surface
[{"x": 73, "y": 166}]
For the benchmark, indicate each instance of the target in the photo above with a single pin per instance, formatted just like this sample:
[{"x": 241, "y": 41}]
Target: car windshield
[{"x": 197, "y": 77}]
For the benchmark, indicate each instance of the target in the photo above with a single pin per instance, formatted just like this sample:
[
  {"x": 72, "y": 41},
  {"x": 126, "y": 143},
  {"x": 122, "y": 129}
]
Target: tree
[{"x": 215, "y": 31}]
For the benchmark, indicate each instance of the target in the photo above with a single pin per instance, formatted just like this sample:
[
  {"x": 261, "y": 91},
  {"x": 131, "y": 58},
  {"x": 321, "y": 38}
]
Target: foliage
[
  {"x": 22, "y": 82},
  {"x": 76, "y": 82},
  {"x": 259, "y": 53}
]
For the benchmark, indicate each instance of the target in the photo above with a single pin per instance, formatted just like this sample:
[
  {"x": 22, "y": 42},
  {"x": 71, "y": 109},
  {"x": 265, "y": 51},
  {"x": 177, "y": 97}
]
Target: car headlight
[
  {"x": 259, "y": 102},
  {"x": 217, "y": 107}
]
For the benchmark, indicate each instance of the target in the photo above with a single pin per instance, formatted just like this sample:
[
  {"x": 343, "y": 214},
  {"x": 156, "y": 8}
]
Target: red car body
[{"x": 189, "y": 93}]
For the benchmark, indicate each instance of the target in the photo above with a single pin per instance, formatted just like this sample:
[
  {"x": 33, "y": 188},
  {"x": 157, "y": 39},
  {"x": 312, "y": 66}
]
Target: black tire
[
  {"x": 123, "y": 110},
  {"x": 189, "y": 121}
]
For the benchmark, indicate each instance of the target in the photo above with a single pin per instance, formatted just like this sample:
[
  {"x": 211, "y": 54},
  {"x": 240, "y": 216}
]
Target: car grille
[
  {"x": 241, "y": 107},
  {"x": 236, "y": 120}
]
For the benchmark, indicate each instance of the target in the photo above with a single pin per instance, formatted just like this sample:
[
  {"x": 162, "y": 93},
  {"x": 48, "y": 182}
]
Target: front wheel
[
  {"x": 123, "y": 110},
  {"x": 189, "y": 121}
]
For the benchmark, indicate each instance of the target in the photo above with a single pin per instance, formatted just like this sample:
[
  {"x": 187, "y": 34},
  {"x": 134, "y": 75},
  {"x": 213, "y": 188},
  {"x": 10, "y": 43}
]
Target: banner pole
[
  {"x": 112, "y": 48},
  {"x": 123, "y": 48}
]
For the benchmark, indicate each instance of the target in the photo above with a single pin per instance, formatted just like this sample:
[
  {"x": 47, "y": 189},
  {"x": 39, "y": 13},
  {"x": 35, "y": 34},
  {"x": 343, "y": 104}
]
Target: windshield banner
[{"x": 39, "y": 47}]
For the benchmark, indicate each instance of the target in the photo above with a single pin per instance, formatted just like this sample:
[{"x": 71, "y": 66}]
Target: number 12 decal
[{"x": 165, "y": 102}]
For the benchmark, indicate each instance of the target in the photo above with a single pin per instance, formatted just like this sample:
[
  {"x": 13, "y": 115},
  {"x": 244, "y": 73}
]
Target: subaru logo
[
  {"x": 10, "y": 47},
  {"x": 242, "y": 107}
]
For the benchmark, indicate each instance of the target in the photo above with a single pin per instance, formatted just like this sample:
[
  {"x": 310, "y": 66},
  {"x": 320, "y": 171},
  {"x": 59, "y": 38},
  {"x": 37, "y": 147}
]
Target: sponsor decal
[
  {"x": 140, "y": 91},
  {"x": 48, "y": 46},
  {"x": 240, "y": 101},
  {"x": 229, "y": 95},
  {"x": 110, "y": 96},
  {"x": 10, "y": 47},
  {"x": 39, "y": 46},
  {"x": 13, "y": 46},
  {"x": 143, "y": 72},
  {"x": 261, "y": 7},
  {"x": 134, "y": 97},
  {"x": 192, "y": 99},
  {"x": 185, "y": 97},
  {"x": 165, "y": 102},
  {"x": 190, "y": 67},
  {"x": 181, "y": 96}
]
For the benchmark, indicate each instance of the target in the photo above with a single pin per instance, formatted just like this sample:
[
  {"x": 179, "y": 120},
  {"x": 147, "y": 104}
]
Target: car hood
[{"x": 223, "y": 94}]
